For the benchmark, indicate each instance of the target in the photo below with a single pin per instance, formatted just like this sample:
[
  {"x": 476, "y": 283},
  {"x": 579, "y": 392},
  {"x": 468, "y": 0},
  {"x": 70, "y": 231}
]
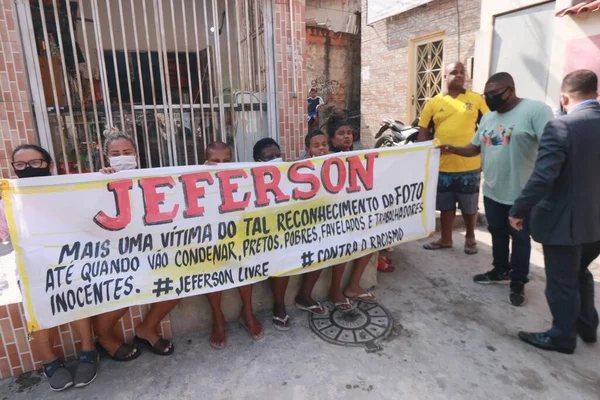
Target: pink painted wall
[{"x": 583, "y": 53}]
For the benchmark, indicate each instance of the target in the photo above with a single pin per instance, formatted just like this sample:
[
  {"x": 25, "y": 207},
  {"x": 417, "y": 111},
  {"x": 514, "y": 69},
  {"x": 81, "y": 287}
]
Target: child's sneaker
[
  {"x": 58, "y": 375},
  {"x": 87, "y": 370}
]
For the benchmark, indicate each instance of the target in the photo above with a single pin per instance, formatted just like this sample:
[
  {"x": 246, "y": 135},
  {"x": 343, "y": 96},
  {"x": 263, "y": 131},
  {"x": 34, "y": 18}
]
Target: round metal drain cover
[{"x": 364, "y": 326}]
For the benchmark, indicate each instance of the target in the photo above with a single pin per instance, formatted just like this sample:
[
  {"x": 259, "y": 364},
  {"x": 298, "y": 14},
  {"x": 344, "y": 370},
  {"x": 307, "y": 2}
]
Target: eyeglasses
[{"x": 21, "y": 165}]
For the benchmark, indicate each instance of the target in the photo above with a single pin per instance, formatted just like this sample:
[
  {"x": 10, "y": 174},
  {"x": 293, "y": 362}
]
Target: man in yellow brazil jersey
[{"x": 455, "y": 114}]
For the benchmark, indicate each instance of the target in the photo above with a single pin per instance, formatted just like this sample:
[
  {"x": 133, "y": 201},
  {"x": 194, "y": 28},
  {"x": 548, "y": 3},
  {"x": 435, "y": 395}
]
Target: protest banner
[{"x": 92, "y": 243}]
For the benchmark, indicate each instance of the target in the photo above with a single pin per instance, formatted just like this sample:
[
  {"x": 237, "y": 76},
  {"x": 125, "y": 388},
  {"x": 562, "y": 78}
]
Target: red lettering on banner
[
  {"x": 122, "y": 217},
  {"x": 262, "y": 187},
  {"x": 326, "y": 175},
  {"x": 228, "y": 189},
  {"x": 192, "y": 192},
  {"x": 153, "y": 200},
  {"x": 356, "y": 170},
  {"x": 295, "y": 176}
]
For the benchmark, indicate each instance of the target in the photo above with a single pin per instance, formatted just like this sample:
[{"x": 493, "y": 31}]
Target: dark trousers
[
  {"x": 570, "y": 291},
  {"x": 517, "y": 262}
]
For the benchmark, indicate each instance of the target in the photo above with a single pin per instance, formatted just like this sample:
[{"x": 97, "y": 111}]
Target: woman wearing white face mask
[
  {"x": 120, "y": 151},
  {"x": 122, "y": 155}
]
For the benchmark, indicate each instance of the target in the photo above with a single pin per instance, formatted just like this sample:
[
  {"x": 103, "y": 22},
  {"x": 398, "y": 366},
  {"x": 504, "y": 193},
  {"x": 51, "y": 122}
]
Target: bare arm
[
  {"x": 469, "y": 150},
  {"x": 423, "y": 134}
]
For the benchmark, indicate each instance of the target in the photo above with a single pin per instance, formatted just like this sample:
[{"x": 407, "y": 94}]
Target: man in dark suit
[{"x": 563, "y": 196}]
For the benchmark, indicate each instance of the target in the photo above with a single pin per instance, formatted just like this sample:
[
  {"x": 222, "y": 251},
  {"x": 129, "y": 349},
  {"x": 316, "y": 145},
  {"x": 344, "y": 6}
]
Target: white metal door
[
  {"x": 174, "y": 74},
  {"x": 522, "y": 47}
]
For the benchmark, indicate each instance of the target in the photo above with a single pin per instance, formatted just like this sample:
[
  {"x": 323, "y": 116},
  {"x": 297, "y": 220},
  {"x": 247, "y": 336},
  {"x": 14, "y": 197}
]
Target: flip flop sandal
[
  {"x": 362, "y": 297},
  {"x": 470, "y": 250},
  {"x": 158, "y": 348},
  {"x": 435, "y": 246},
  {"x": 122, "y": 353},
  {"x": 216, "y": 346},
  {"x": 385, "y": 268},
  {"x": 339, "y": 305},
  {"x": 386, "y": 259},
  {"x": 255, "y": 338},
  {"x": 281, "y": 324},
  {"x": 312, "y": 309}
]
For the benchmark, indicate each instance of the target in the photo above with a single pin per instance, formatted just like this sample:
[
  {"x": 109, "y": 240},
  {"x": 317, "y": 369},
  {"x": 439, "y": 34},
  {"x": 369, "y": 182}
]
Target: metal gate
[
  {"x": 428, "y": 74},
  {"x": 174, "y": 74}
]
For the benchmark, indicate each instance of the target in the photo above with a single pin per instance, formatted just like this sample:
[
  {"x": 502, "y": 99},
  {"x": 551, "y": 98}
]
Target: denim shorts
[{"x": 461, "y": 188}]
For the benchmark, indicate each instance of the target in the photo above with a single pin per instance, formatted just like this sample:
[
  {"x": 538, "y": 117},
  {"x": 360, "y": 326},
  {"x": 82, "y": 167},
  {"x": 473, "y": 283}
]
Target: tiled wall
[
  {"x": 292, "y": 103},
  {"x": 17, "y": 356},
  {"x": 17, "y": 127},
  {"x": 16, "y": 116}
]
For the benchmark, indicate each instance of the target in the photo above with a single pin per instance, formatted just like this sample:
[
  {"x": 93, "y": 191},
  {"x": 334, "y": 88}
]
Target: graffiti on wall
[{"x": 325, "y": 86}]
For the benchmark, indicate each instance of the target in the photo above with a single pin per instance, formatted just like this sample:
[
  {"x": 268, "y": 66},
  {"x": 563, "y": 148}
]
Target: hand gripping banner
[{"x": 92, "y": 243}]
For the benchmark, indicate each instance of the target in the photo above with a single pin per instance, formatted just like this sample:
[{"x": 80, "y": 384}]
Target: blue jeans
[{"x": 517, "y": 263}]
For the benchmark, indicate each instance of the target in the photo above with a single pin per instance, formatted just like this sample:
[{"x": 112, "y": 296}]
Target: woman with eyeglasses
[{"x": 31, "y": 161}]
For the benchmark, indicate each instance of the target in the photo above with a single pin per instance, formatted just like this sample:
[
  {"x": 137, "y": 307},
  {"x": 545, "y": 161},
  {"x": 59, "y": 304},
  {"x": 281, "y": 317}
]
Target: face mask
[
  {"x": 496, "y": 101},
  {"x": 30, "y": 172},
  {"x": 122, "y": 163}
]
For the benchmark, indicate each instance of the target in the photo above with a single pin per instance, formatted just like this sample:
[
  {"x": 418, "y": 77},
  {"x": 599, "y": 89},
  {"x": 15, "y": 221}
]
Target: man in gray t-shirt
[{"x": 507, "y": 139}]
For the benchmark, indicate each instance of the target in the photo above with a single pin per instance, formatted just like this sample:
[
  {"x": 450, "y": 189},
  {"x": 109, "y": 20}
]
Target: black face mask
[
  {"x": 30, "y": 172},
  {"x": 495, "y": 102}
]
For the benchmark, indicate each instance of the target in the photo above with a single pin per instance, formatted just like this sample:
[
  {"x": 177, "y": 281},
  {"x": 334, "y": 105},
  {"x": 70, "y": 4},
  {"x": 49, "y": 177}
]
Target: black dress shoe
[{"x": 541, "y": 340}]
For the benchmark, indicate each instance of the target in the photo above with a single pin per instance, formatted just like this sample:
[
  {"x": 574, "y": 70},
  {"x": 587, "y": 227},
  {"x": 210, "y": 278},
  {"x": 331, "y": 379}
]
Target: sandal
[
  {"x": 386, "y": 259},
  {"x": 471, "y": 249},
  {"x": 281, "y": 324},
  {"x": 157, "y": 348},
  {"x": 349, "y": 306},
  {"x": 313, "y": 309},
  {"x": 435, "y": 246},
  {"x": 363, "y": 298},
  {"x": 122, "y": 354},
  {"x": 258, "y": 337},
  {"x": 384, "y": 266}
]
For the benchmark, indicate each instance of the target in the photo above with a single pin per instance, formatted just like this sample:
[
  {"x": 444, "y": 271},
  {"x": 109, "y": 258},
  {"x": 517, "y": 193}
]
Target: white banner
[
  {"x": 91, "y": 243},
  {"x": 382, "y": 9}
]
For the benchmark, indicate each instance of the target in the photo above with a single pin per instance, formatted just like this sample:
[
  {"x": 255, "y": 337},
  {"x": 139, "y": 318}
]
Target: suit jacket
[{"x": 563, "y": 192}]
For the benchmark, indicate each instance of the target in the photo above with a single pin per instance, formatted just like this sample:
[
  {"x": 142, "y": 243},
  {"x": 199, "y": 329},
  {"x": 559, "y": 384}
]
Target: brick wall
[
  {"x": 385, "y": 49},
  {"x": 17, "y": 127},
  {"x": 329, "y": 65},
  {"x": 292, "y": 106},
  {"x": 17, "y": 354},
  {"x": 16, "y": 117}
]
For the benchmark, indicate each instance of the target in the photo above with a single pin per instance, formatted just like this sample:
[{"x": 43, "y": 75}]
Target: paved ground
[{"x": 453, "y": 340}]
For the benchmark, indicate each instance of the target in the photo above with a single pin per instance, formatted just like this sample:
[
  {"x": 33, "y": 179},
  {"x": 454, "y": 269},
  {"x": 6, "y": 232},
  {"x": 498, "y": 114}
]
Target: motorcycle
[{"x": 396, "y": 133}]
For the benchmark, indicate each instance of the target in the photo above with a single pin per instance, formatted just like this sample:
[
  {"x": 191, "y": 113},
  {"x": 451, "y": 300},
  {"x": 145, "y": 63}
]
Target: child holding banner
[
  {"x": 31, "y": 161},
  {"x": 266, "y": 150},
  {"x": 218, "y": 153},
  {"x": 341, "y": 138},
  {"x": 316, "y": 146},
  {"x": 122, "y": 155}
]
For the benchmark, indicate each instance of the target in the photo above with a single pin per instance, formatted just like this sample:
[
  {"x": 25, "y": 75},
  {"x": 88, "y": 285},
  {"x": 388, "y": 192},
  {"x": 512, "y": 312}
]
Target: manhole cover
[{"x": 365, "y": 326}]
